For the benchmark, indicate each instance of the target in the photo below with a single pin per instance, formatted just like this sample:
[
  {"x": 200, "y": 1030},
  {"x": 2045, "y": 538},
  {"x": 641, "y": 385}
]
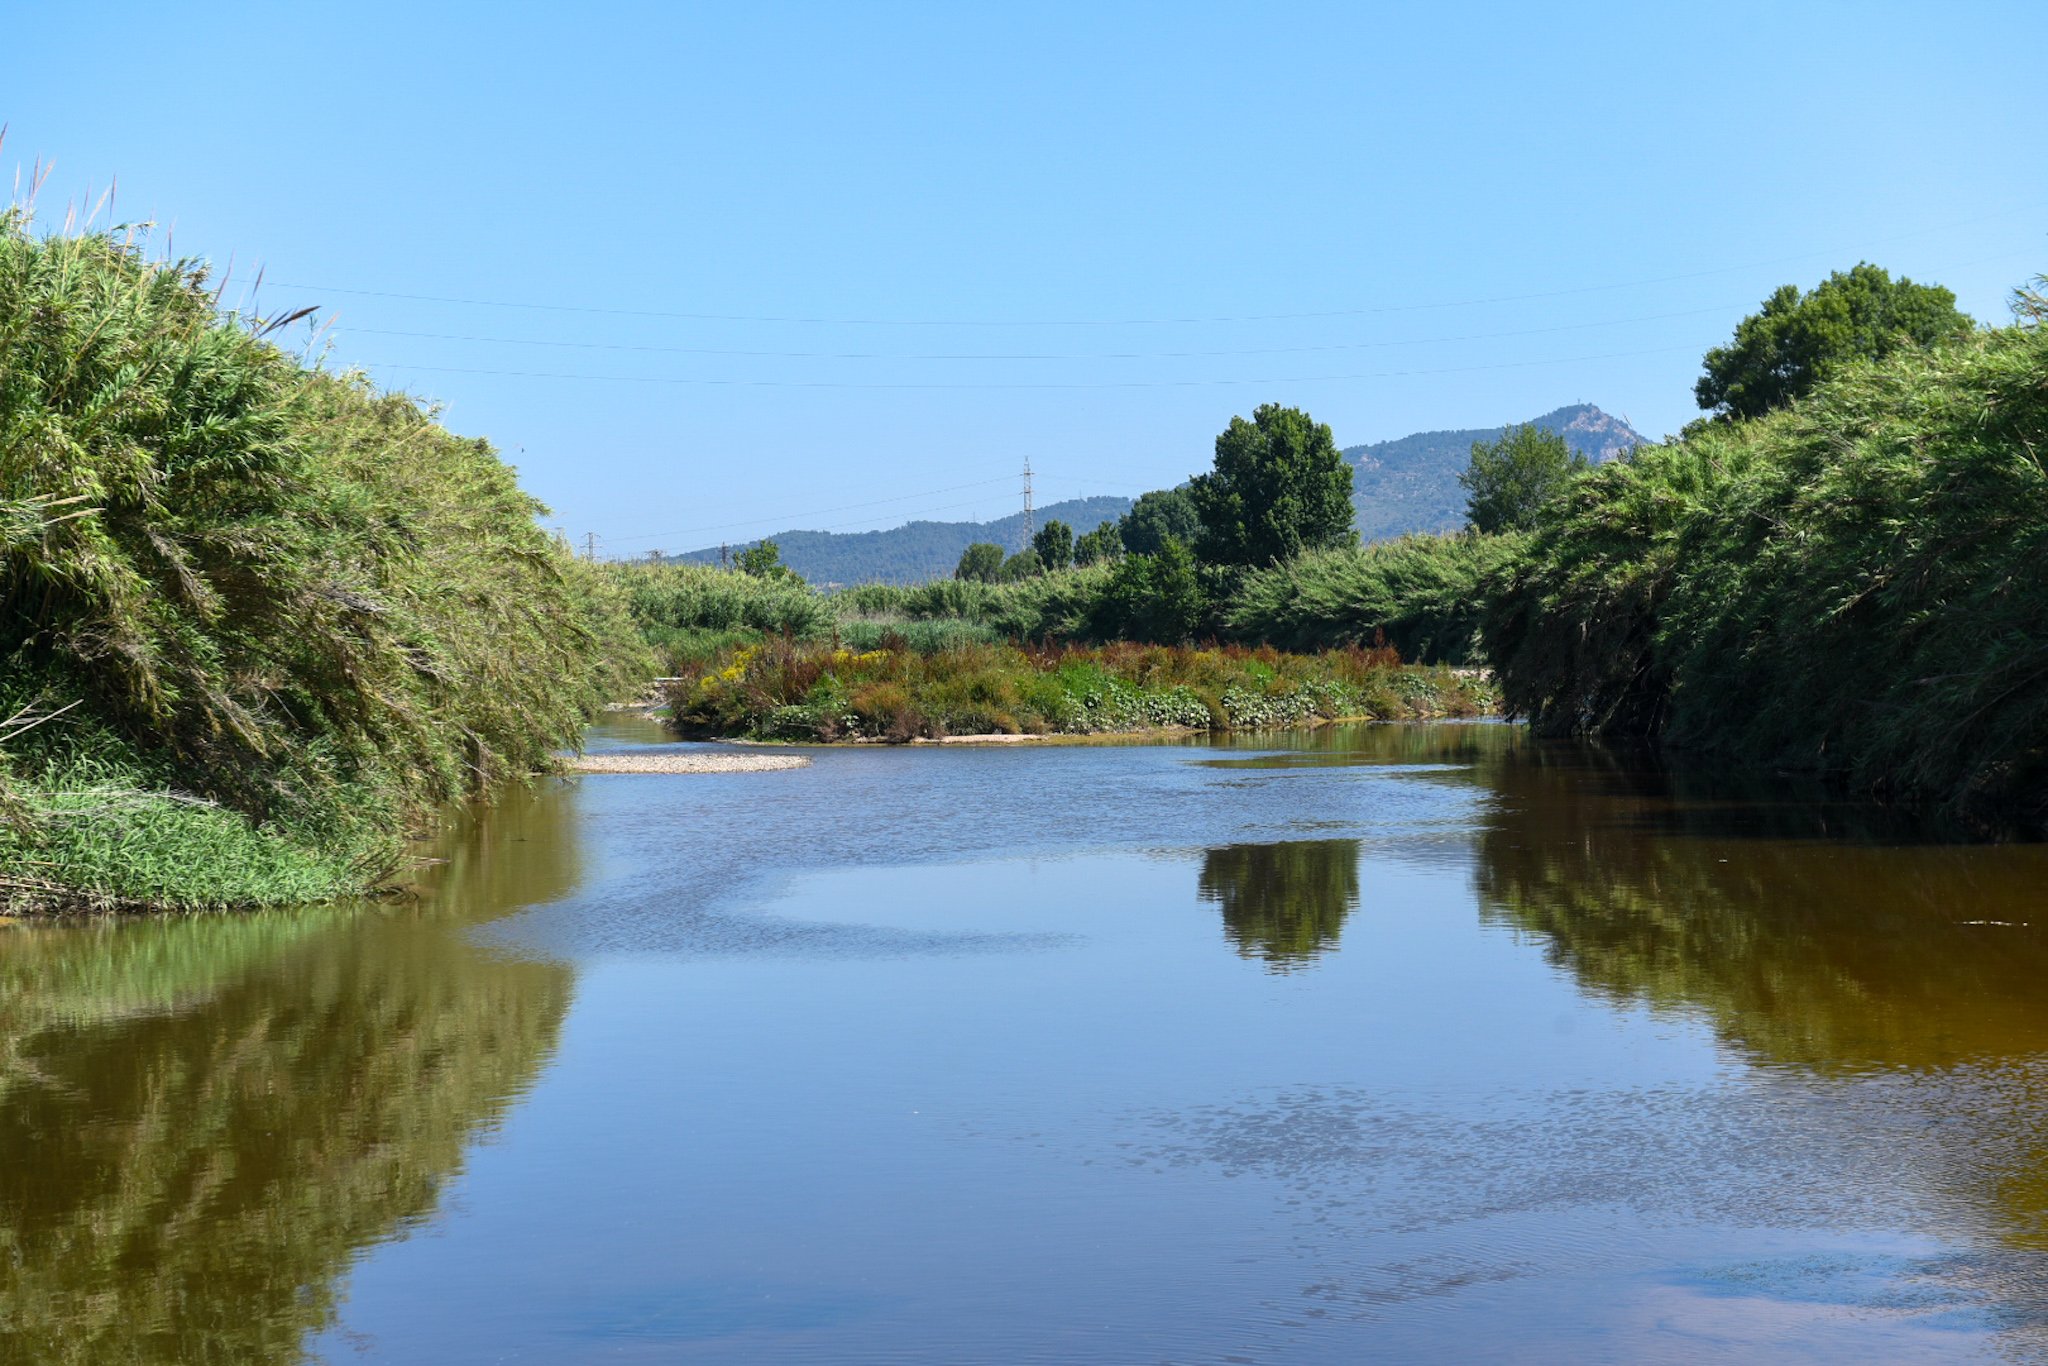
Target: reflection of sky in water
[{"x": 1418, "y": 1044}]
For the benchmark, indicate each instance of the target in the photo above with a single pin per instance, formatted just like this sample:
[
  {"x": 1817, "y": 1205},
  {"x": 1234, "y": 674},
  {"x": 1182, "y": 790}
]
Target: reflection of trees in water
[
  {"x": 1835, "y": 962},
  {"x": 1284, "y": 903},
  {"x": 1802, "y": 948},
  {"x": 205, "y": 1118}
]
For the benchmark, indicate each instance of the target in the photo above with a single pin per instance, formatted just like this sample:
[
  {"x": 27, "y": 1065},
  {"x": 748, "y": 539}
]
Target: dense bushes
[
  {"x": 1427, "y": 594},
  {"x": 287, "y": 613},
  {"x": 686, "y": 610},
  {"x": 1858, "y": 585},
  {"x": 777, "y": 687}
]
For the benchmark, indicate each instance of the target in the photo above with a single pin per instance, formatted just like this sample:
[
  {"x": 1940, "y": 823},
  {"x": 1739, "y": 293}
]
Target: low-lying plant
[{"x": 786, "y": 688}]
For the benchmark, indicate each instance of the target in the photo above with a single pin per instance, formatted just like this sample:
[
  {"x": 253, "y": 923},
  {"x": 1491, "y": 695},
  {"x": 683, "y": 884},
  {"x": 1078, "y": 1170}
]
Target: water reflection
[
  {"x": 1811, "y": 933},
  {"x": 206, "y": 1118},
  {"x": 1892, "y": 984},
  {"x": 1283, "y": 903}
]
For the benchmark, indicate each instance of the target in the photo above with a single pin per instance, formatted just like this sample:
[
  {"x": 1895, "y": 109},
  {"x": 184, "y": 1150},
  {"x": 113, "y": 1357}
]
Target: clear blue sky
[{"x": 818, "y": 257}]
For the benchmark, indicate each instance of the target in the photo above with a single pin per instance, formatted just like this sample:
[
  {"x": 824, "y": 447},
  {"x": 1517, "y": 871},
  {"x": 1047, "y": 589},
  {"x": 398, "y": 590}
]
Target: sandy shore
[{"x": 633, "y": 761}]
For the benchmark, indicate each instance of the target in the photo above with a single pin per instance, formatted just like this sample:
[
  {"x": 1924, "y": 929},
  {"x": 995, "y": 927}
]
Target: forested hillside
[
  {"x": 1405, "y": 485},
  {"x": 917, "y": 551}
]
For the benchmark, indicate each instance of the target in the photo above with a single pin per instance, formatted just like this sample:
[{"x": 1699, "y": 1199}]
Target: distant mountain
[
  {"x": 1411, "y": 484},
  {"x": 916, "y": 551}
]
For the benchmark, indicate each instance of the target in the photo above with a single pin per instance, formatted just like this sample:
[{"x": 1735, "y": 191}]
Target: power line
[
  {"x": 530, "y": 306},
  {"x": 1029, "y": 355},
  {"x": 1001, "y": 385}
]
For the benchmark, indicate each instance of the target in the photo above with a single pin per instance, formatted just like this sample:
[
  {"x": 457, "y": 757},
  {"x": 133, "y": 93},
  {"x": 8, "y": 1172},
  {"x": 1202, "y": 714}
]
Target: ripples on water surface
[{"x": 1389, "y": 1043}]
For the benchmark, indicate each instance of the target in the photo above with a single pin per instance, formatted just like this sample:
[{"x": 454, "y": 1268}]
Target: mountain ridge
[{"x": 1409, "y": 483}]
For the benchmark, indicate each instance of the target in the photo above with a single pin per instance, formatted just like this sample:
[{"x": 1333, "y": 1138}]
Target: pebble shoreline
[{"x": 685, "y": 763}]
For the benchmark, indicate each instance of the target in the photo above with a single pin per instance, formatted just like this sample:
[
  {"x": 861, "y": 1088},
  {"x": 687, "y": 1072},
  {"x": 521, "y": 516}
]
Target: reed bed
[{"x": 269, "y": 616}]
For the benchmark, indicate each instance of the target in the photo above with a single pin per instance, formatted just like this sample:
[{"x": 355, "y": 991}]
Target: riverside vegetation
[
  {"x": 259, "y": 620},
  {"x": 1842, "y": 569},
  {"x": 256, "y": 619}
]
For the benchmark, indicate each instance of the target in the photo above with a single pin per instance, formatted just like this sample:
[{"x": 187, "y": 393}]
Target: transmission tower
[
  {"x": 1029, "y": 529},
  {"x": 590, "y": 546}
]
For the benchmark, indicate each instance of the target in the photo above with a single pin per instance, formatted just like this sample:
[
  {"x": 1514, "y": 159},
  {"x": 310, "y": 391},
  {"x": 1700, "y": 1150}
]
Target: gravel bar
[{"x": 685, "y": 763}]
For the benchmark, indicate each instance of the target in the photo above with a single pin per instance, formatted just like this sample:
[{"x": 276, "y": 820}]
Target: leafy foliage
[
  {"x": 1103, "y": 543},
  {"x": 1279, "y": 487},
  {"x": 982, "y": 562},
  {"x": 1020, "y": 566},
  {"x": 1158, "y": 517},
  {"x": 763, "y": 560},
  {"x": 1797, "y": 340},
  {"x": 1054, "y": 544},
  {"x": 1509, "y": 480},
  {"x": 1158, "y": 597}
]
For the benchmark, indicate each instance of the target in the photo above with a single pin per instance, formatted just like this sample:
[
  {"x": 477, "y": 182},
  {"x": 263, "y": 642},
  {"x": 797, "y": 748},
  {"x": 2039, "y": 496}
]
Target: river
[{"x": 1404, "y": 1043}]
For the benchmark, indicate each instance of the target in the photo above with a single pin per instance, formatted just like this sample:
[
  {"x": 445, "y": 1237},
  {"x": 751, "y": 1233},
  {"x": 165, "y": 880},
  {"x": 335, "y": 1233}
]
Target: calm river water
[{"x": 1390, "y": 1043}]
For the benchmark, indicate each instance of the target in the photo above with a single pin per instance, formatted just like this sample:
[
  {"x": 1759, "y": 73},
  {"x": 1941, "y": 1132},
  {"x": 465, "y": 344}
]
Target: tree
[
  {"x": 1509, "y": 479},
  {"x": 1152, "y": 597},
  {"x": 1280, "y": 486},
  {"x": 1797, "y": 340},
  {"x": 763, "y": 560},
  {"x": 1054, "y": 544},
  {"x": 1103, "y": 543},
  {"x": 1022, "y": 565},
  {"x": 1158, "y": 517},
  {"x": 982, "y": 561}
]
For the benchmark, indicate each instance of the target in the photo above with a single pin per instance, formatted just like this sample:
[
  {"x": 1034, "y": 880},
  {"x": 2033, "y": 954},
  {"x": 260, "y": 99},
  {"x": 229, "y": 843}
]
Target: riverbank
[{"x": 777, "y": 688}]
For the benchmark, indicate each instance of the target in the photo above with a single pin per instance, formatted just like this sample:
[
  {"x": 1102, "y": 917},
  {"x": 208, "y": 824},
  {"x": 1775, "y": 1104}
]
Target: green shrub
[{"x": 1427, "y": 594}]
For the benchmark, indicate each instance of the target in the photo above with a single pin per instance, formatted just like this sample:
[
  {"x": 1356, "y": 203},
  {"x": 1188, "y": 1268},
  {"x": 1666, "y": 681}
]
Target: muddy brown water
[{"x": 1382, "y": 1043}]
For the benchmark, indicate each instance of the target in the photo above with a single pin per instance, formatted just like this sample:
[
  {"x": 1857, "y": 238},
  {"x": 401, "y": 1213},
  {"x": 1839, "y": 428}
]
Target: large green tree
[
  {"x": 982, "y": 561},
  {"x": 1796, "y": 340},
  {"x": 1509, "y": 479},
  {"x": 1103, "y": 543},
  {"x": 1280, "y": 486},
  {"x": 1160, "y": 598},
  {"x": 1054, "y": 543},
  {"x": 1025, "y": 564},
  {"x": 1158, "y": 517}
]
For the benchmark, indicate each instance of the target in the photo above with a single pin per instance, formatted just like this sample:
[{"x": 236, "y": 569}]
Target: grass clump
[
  {"x": 285, "y": 615},
  {"x": 1858, "y": 585}
]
